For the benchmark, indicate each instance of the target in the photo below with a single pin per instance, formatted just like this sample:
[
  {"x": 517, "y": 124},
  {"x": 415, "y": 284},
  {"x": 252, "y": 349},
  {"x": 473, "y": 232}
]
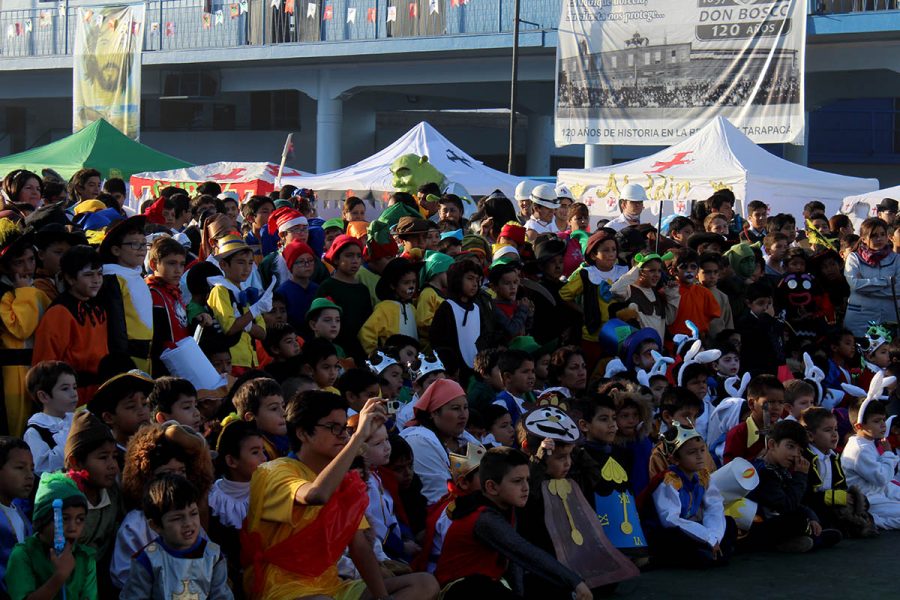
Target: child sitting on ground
[
  {"x": 175, "y": 399},
  {"x": 74, "y": 328},
  {"x": 798, "y": 396},
  {"x": 53, "y": 387},
  {"x": 482, "y": 547},
  {"x": 692, "y": 530},
  {"x": 632, "y": 423},
  {"x": 827, "y": 493},
  {"x": 870, "y": 462},
  {"x": 260, "y": 400},
  {"x": 181, "y": 560},
  {"x": 783, "y": 522},
  {"x": 765, "y": 396},
  {"x": 517, "y": 370},
  {"x": 16, "y": 483},
  {"x": 678, "y": 405},
  {"x": 36, "y": 569}
]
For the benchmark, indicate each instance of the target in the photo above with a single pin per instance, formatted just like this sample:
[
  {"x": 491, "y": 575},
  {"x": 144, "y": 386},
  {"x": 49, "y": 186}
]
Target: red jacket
[{"x": 462, "y": 555}]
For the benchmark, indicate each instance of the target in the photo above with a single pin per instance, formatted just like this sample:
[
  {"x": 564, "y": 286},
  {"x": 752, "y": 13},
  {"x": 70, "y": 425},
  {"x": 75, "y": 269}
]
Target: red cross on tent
[{"x": 678, "y": 159}]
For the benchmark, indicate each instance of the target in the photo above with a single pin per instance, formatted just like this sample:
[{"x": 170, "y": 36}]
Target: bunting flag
[
  {"x": 62, "y": 9},
  {"x": 311, "y": 10},
  {"x": 136, "y": 28},
  {"x": 170, "y": 29},
  {"x": 154, "y": 27},
  {"x": 207, "y": 20},
  {"x": 88, "y": 16},
  {"x": 10, "y": 31},
  {"x": 234, "y": 10},
  {"x": 289, "y": 7},
  {"x": 392, "y": 14},
  {"x": 98, "y": 20},
  {"x": 18, "y": 29},
  {"x": 276, "y": 3},
  {"x": 351, "y": 15},
  {"x": 413, "y": 10},
  {"x": 433, "y": 7},
  {"x": 328, "y": 13},
  {"x": 45, "y": 19},
  {"x": 244, "y": 7},
  {"x": 28, "y": 26},
  {"x": 370, "y": 15},
  {"x": 220, "y": 17}
]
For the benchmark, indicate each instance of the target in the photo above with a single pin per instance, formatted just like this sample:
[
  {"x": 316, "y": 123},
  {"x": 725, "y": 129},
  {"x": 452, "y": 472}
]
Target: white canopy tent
[
  {"x": 718, "y": 155},
  {"x": 371, "y": 177},
  {"x": 862, "y": 206}
]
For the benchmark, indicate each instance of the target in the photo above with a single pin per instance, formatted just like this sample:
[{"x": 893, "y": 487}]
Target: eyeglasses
[
  {"x": 135, "y": 245},
  {"x": 305, "y": 263},
  {"x": 336, "y": 429}
]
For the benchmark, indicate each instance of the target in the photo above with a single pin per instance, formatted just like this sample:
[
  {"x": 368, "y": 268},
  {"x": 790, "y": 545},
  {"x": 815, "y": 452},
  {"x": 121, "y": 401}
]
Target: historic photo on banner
[
  {"x": 107, "y": 67},
  {"x": 649, "y": 72}
]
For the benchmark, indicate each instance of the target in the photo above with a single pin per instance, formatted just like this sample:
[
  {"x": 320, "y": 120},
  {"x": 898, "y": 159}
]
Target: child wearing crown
[
  {"x": 876, "y": 353},
  {"x": 688, "y": 526}
]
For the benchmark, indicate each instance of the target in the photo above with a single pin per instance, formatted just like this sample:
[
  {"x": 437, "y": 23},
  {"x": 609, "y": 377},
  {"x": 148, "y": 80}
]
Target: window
[
  {"x": 613, "y": 61},
  {"x": 631, "y": 60},
  {"x": 657, "y": 57}
]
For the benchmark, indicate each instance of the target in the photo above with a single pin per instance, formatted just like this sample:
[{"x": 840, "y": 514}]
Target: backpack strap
[{"x": 45, "y": 434}]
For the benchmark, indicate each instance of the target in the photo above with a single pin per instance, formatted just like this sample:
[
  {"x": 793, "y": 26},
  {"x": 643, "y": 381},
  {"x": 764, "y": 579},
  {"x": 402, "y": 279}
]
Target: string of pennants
[{"x": 235, "y": 10}]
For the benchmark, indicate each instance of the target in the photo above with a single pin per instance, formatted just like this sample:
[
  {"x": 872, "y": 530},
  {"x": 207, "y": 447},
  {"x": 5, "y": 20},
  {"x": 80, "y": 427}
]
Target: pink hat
[{"x": 438, "y": 394}]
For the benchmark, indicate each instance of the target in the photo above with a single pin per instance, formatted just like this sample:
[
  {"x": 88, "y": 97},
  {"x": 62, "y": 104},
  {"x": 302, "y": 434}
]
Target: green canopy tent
[{"x": 98, "y": 146}]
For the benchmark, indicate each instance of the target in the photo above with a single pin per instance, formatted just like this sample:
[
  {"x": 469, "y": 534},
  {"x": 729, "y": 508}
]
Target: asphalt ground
[{"x": 852, "y": 569}]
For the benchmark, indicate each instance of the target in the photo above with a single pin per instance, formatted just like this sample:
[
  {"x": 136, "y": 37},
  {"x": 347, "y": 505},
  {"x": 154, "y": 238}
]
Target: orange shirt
[{"x": 697, "y": 305}]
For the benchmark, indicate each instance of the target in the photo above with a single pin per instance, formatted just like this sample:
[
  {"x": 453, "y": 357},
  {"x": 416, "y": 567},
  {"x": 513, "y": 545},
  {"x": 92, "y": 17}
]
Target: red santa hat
[
  {"x": 154, "y": 212},
  {"x": 295, "y": 250},
  {"x": 285, "y": 218}
]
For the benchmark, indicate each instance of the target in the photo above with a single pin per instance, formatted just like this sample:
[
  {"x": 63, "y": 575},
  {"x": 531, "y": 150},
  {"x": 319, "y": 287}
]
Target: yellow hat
[
  {"x": 231, "y": 244},
  {"x": 460, "y": 465},
  {"x": 88, "y": 206}
]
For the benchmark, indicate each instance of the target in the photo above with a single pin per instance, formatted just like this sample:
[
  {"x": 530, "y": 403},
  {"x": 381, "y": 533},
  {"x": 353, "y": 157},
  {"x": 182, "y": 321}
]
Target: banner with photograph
[
  {"x": 107, "y": 67},
  {"x": 653, "y": 72}
]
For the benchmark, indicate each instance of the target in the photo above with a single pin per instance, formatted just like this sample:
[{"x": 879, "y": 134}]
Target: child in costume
[
  {"x": 125, "y": 294},
  {"x": 557, "y": 518},
  {"x": 765, "y": 396},
  {"x": 170, "y": 323},
  {"x": 240, "y": 451},
  {"x": 603, "y": 478},
  {"x": 837, "y": 505},
  {"x": 783, "y": 522},
  {"x": 52, "y": 240},
  {"x": 640, "y": 286},
  {"x": 841, "y": 348},
  {"x": 16, "y": 482},
  {"x": 697, "y": 303},
  {"x": 433, "y": 290},
  {"x": 689, "y": 527},
  {"x": 591, "y": 285},
  {"x": 158, "y": 449},
  {"x": 459, "y": 321},
  {"x": 291, "y": 227},
  {"x": 869, "y": 460},
  {"x": 633, "y": 421},
  {"x": 298, "y": 290},
  {"x": 74, "y": 328},
  {"x": 52, "y": 386},
  {"x": 344, "y": 289},
  {"x": 482, "y": 548},
  {"x": 21, "y": 308},
  {"x": 31, "y": 571},
  {"x": 236, "y": 314},
  {"x": 180, "y": 560},
  {"x": 875, "y": 352},
  {"x": 395, "y": 313},
  {"x": 292, "y": 499},
  {"x": 682, "y": 407}
]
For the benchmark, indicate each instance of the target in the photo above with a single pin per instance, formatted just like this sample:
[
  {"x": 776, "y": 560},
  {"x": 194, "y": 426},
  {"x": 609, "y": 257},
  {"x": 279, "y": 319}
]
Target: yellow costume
[
  {"x": 226, "y": 310},
  {"x": 428, "y": 303},
  {"x": 21, "y": 310},
  {"x": 388, "y": 318},
  {"x": 275, "y": 516}
]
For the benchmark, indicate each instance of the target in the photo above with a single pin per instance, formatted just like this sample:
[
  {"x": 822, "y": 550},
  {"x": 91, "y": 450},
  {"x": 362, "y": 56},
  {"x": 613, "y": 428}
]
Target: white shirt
[
  {"x": 870, "y": 472},
  {"x": 620, "y": 223},
  {"x": 430, "y": 460},
  {"x": 47, "y": 459},
  {"x": 710, "y": 530},
  {"x": 16, "y": 522},
  {"x": 824, "y": 462},
  {"x": 229, "y": 501},
  {"x": 380, "y": 513},
  {"x": 540, "y": 227}
]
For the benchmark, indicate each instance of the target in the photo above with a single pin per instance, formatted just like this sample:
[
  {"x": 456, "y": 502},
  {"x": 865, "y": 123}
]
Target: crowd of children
[{"x": 502, "y": 403}]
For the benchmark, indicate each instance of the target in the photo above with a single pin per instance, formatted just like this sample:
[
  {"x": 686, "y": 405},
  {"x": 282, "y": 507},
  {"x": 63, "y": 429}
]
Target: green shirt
[{"x": 29, "y": 568}]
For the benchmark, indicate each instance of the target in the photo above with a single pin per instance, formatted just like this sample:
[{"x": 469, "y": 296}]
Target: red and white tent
[{"x": 245, "y": 178}]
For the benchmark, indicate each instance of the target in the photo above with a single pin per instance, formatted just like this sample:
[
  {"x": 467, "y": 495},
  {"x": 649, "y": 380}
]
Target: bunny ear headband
[
  {"x": 737, "y": 392},
  {"x": 660, "y": 366},
  {"x": 682, "y": 339},
  {"x": 876, "y": 389},
  {"x": 814, "y": 375},
  {"x": 695, "y": 355}
]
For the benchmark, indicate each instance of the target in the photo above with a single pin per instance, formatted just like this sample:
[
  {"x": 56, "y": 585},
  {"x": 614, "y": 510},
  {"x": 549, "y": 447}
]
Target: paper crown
[
  {"x": 682, "y": 436},
  {"x": 551, "y": 422},
  {"x": 461, "y": 465},
  {"x": 427, "y": 366},
  {"x": 876, "y": 336},
  {"x": 383, "y": 362}
]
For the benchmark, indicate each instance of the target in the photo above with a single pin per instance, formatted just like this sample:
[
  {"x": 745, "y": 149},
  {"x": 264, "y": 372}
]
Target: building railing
[{"x": 199, "y": 24}]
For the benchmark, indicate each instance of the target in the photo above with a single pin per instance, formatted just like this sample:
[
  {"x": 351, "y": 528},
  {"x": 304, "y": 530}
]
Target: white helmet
[
  {"x": 544, "y": 195},
  {"x": 634, "y": 192},
  {"x": 563, "y": 191},
  {"x": 523, "y": 190}
]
